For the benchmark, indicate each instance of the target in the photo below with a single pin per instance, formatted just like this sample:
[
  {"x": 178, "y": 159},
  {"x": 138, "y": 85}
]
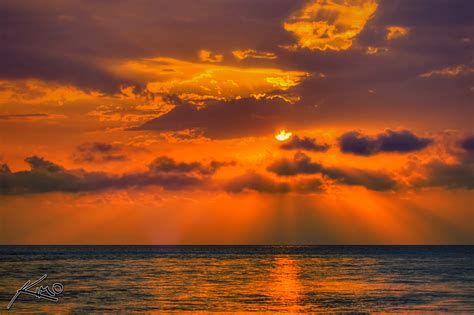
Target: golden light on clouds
[
  {"x": 32, "y": 91},
  {"x": 208, "y": 56},
  {"x": 251, "y": 53},
  {"x": 371, "y": 50},
  {"x": 198, "y": 81},
  {"x": 282, "y": 83},
  {"x": 252, "y": 110},
  {"x": 449, "y": 71},
  {"x": 329, "y": 24},
  {"x": 394, "y": 32},
  {"x": 283, "y": 135}
]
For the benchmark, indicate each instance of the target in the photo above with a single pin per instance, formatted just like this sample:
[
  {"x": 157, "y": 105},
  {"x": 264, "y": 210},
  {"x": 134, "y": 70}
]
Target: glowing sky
[{"x": 249, "y": 122}]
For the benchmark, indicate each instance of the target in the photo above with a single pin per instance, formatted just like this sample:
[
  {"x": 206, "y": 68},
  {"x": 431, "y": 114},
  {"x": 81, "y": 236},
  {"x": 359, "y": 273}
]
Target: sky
[{"x": 236, "y": 122}]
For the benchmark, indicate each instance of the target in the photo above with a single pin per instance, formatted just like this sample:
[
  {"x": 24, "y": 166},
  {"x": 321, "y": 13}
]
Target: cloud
[
  {"x": 202, "y": 81},
  {"x": 394, "y": 32},
  {"x": 252, "y": 53},
  {"x": 252, "y": 181},
  {"x": 232, "y": 119},
  {"x": 457, "y": 172},
  {"x": 45, "y": 176},
  {"x": 208, "y": 56},
  {"x": 372, "y": 180},
  {"x": 448, "y": 175},
  {"x": 329, "y": 24},
  {"x": 308, "y": 186},
  {"x": 4, "y": 169},
  {"x": 256, "y": 182},
  {"x": 98, "y": 152},
  {"x": 468, "y": 144},
  {"x": 35, "y": 92},
  {"x": 301, "y": 164},
  {"x": 23, "y": 116},
  {"x": 39, "y": 164},
  {"x": 168, "y": 165},
  {"x": 389, "y": 141},
  {"x": 305, "y": 143},
  {"x": 73, "y": 44},
  {"x": 453, "y": 71},
  {"x": 371, "y": 50},
  {"x": 69, "y": 44}
]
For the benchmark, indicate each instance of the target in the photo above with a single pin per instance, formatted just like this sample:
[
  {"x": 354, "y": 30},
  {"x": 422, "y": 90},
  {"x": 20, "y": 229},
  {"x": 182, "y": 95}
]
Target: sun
[{"x": 283, "y": 135}]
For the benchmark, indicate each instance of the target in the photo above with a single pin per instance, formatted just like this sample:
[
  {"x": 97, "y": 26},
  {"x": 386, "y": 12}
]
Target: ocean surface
[{"x": 241, "y": 278}]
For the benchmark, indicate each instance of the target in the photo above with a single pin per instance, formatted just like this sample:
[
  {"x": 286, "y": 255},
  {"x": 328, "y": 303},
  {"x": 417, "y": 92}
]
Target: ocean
[{"x": 240, "y": 278}]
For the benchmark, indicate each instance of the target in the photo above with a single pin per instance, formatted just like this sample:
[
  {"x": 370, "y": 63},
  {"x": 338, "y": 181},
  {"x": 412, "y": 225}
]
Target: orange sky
[{"x": 319, "y": 122}]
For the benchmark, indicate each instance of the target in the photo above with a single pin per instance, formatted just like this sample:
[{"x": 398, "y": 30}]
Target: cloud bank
[{"x": 45, "y": 176}]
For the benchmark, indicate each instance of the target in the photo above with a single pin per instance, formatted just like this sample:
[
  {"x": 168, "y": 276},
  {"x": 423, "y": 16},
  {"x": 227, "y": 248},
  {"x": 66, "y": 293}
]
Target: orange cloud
[
  {"x": 329, "y": 25},
  {"x": 31, "y": 117},
  {"x": 35, "y": 92},
  {"x": 208, "y": 56},
  {"x": 449, "y": 71},
  {"x": 251, "y": 53},
  {"x": 394, "y": 32},
  {"x": 200, "y": 81},
  {"x": 375, "y": 50}
]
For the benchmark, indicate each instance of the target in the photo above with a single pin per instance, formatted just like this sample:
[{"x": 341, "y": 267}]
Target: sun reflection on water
[{"x": 245, "y": 280}]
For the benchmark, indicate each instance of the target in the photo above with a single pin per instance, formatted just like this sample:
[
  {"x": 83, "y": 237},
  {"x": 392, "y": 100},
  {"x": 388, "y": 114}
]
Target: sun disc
[{"x": 283, "y": 135}]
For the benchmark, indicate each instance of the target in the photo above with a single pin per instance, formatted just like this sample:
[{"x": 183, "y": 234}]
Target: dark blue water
[{"x": 242, "y": 278}]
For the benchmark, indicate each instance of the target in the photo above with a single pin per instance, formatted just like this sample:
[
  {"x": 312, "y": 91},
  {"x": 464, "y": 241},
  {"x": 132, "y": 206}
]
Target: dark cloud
[
  {"x": 98, "y": 152},
  {"x": 389, "y": 141},
  {"x": 442, "y": 174},
  {"x": 412, "y": 13},
  {"x": 45, "y": 176},
  {"x": 307, "y": 186},
  {"x": 453, "y": 174},
  {"x": 231, "y": 119},
  {"x": 468, "y": 144},
  {"x": 39, "y": 164},
  {"x": 440, "y": 35},
  {"x": 356, "y": 177},
  {"x": 72, "y": 42},
  {"x": 256, "y": 182},
  {"x": 4, "y": 169},
  {"x": 168, "y": 165},
  {"x": 21, "y": 116},
  {"x": 252, "y": 181},
  {"x": 305, "y": 143},
  {"x": 302, "y": 164}
]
